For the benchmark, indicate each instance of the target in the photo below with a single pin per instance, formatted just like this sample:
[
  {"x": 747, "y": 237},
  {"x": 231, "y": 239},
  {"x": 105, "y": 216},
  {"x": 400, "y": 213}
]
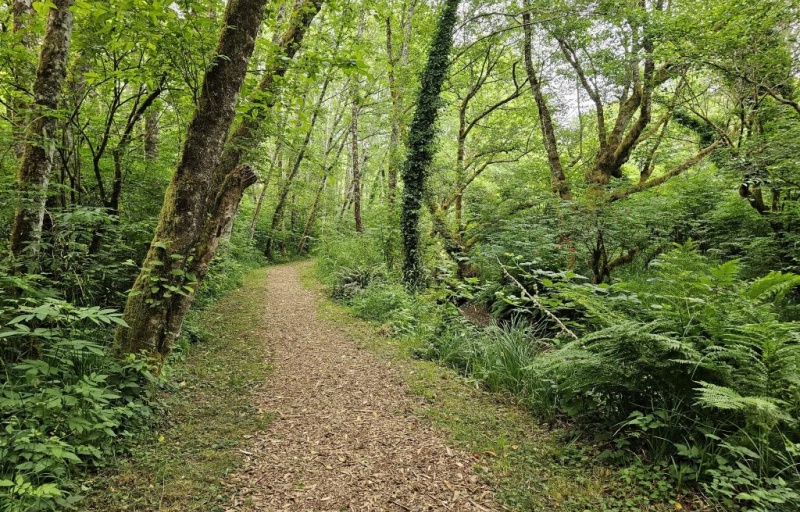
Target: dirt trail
[{"x": 344, "y": 435}]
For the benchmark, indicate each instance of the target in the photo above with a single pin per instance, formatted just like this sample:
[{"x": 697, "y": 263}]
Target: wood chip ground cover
[{"x": 345, "y": 434}]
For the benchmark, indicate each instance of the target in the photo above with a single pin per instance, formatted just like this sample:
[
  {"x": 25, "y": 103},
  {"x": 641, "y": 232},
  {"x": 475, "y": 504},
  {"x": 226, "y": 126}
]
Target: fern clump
[{"x": 694, "y": 340}]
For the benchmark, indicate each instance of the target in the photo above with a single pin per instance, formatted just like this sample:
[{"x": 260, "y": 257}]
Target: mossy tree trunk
[
  {"x": 421, "y": 141},
  {"x": 195, "y": 207},
  {"x": 40, "y": 140}
]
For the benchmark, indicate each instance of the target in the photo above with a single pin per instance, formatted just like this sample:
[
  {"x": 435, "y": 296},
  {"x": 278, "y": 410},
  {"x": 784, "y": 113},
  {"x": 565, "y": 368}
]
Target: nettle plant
[{"x": 65, "y": 402}]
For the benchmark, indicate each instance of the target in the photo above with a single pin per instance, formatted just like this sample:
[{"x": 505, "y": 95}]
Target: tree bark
[
  {"x": 558, "y": 179},
  {"x": 151, "y": 134},
  {"x": 394, "y": 137},
  {"x": 421, "y": 141},
  {"x": 356, "y": 166},
  {"x": 37, "y": 160},
  {"x": 193, "y": 214},
  {"x": 22, "y": 73},
  {"x": 355, "y": 109}
]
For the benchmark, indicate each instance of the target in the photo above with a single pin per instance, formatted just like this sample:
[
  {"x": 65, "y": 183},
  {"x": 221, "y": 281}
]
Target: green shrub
[
  {"x": 380, "y": 301},
  {"x": 235, "y": 259},
  {"x": 68, "y": 409},
  {"x": 347, "y": 265}
]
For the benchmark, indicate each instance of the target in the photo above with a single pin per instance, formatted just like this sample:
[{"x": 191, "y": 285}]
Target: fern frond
[
  {"x": 772, "y": 286},
  {"x": 767, "y": 410},
  {"x": 726, "y": 274}
]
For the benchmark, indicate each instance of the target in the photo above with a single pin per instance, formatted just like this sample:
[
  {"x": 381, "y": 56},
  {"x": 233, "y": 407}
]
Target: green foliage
[
  {"x": 69, "y": 409},
  {"x": 347, "y": 264},
  {"x": 235, "y": 259},
  {"x": 693, "y": 339}
]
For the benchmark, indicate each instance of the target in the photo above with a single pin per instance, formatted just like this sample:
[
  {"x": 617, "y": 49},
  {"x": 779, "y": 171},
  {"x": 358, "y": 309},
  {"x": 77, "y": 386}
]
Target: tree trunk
[
  {"x": 355, "y": 109},
  {"x": 194, "y": 213},
  {"x": 312, "y": 215},
  {"x": 460, "y": 175},
  {"x": 356, "y": 167},
  {"x": 394, "y": 138},
  {"x": 421, "y": 138},
  {"x": 557, "y": 178},
  {"x": 151, "y": 134},
  {"x": 395, "y": 91},
  {"x": 37, "y": 160},
  {"x": 22, "y": 73}
]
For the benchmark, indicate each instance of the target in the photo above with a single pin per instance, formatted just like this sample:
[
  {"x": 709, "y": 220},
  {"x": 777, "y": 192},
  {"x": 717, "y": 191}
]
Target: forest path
[{"x": 344, "y": 435}]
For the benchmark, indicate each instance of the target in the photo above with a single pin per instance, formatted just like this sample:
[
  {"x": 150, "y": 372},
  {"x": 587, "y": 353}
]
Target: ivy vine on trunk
[{"x": 421, "y": 141}]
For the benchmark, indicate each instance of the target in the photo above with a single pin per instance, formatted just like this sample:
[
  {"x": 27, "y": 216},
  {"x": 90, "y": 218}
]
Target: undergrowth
[
  {"x": 180, "y": 465},
  {"x": 69, "y": 405},
  {"x": 687, "y": 376}
]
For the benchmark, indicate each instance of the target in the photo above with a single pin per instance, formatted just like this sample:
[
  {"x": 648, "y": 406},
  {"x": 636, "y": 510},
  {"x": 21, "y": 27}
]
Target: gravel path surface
[{"x": 344, "y": 435}]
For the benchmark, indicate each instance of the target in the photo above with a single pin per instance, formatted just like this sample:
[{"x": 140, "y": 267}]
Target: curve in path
[{"x": 344, "y": 436}]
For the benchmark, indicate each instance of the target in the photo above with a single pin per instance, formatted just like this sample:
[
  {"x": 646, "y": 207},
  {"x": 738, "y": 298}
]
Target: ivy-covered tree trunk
[
  {"x": 421, "y": 141},
  {"x": 194, "y": 212},
  {"x": 40, "y": 136}
]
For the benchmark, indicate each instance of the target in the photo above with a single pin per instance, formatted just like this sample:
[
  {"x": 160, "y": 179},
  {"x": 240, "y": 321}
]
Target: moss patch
[{"x": 182, "y": 466}]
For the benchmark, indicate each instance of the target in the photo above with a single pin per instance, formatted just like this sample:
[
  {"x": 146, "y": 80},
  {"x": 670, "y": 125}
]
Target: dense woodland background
[{"x": 592, "y": 205}]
